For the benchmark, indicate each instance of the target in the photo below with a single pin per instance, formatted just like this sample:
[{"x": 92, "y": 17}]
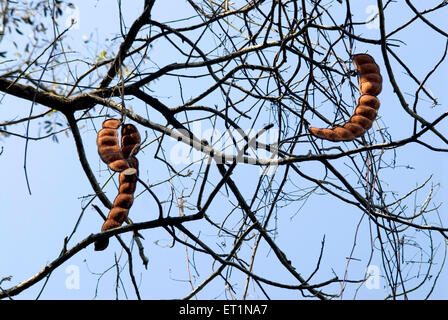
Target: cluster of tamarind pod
[
  {"x": 370, "y": 85},
  {"x": 119, "y": 159}
]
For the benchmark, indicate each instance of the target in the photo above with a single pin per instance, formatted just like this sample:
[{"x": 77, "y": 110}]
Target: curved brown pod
[
  {"x": 370, "y": 85},
  {"x": 130, "y": 140},
  {"x": 108, "y": 148},
  {"x": 123, "y": 161},
  {"x": 122, "y": 203}
]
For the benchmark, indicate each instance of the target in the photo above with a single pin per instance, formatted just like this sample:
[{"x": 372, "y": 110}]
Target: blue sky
[{"x": 34, "y": 226}]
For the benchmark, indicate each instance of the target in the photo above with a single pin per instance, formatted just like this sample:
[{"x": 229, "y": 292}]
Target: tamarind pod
[
  {"x": 343, "y": 134},
  {"x": 128, "y": 183},
  {"x": 127, "y": 180},
  {"x": 366, "y": 111},
  {"x": 355, "y": 129},
  {"x": 120, "y": 159},
  {"x": 130, "y": 140},
  {"x": 115, "y": 219},
  {"x": 362, "y": 58},
  {"x": 102, "y": 244},
  {"x": 127, "y": 187},
  {"x": 117, "y": 214},
  {"x": 324, "y": 133},
  {"x": 110, "y": 224},
  {"x": 130, "y": 131},
  {"x": 107, "y": 137},
  {"x": 369, "y": 74},
  {"x": 370, "y": 101},
  {"x": 108, "y": 148},
  {"x": 370, "y": 77},
  {"x": 124, "y": 200},
  {"x": 368, "y": 68},
  {"x": 370, "y": 83},
  {"x": 361, "y": 121},
  {"x": 128, "y": 175},
  {"x": 111, "y": 155},
  {"x": 111, "y": 123}
]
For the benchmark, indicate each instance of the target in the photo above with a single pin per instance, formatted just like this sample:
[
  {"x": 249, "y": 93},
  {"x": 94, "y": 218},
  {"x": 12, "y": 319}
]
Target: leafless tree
[{"x": 247, "y": 70}]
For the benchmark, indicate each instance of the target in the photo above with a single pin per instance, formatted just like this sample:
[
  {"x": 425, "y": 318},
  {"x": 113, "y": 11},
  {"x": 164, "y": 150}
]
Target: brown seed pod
[
  {"x": 324, "y": 133},
  {"x": 108, "y": 148},
  {"x": 125, "y": 162},
  {"x": 356, "y": 129},
  {"x": 366, "y": 111},
  {"x": 370, "y": 101},
  {"x": 364, "y": 122},
  {"x": 370, "y": 85},
  {"x": 130, "y": 140},
  {"x": 368, "y": 68},
  {"x": 344, "y": 134},
  {"x": 360, "y": 59}
]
